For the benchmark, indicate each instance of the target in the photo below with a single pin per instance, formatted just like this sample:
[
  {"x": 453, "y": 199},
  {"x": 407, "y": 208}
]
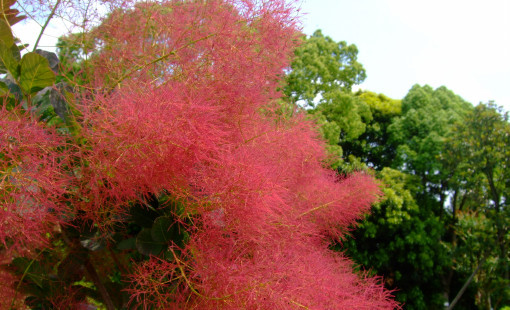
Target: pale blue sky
[{"x": 461, "y": 44}]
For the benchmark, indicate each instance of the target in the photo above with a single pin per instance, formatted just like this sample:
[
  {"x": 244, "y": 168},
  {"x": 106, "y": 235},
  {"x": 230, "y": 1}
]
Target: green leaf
[
  {"x": 13, "y": 89},
  {"x": 4, "y": 89},
  {"x": 51, "y": 57},
  {"x": 31, "y": 269},
  {"x": 7, "y": 60},
  {"x": 15, "y": 51},
  {"x": 146, "y": 245},
  {"x": 35, "y": 73},
  {"x": 127, "y": 244},
  {"x": 6, "y": 33},
  {"x": 143, "y": 215},
  {"x": 165, "y": 229}
]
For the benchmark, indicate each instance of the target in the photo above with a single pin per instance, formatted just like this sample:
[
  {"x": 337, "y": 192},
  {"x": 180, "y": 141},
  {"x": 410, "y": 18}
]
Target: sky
[{"x": 461, "y": 44}]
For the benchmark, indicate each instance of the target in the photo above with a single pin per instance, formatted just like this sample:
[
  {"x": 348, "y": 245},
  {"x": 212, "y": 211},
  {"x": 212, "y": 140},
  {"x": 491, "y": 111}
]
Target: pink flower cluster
[
  {"x": 186, "y": 102},
  {"x": 203, "y": 123},
  {"x": 32, "y": 182}
]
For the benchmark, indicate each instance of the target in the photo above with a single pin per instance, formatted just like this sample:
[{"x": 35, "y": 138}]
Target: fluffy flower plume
[
  {"x": 31, "y": 182},
  {"x": 199, "y": 124},
  {"x": 185, "y": 103}
]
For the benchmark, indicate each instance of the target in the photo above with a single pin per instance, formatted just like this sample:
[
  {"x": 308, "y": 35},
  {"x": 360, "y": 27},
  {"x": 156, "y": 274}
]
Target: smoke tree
[{"x": 170, "y": 179}]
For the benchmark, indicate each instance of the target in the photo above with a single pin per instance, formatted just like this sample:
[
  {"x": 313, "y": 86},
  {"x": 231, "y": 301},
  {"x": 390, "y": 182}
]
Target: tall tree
[
  {"x": 427, "y": 118},
  {"x": 322, "y": 66},
  {"x": 398, "y": 234},
  {"x": 373, "y": 147},
  {"x": 480, "y": 148},
  {"x": 399, "y": 241},
  {"x": 343, "y": 118},
  {"x": 321, "y": 76}
]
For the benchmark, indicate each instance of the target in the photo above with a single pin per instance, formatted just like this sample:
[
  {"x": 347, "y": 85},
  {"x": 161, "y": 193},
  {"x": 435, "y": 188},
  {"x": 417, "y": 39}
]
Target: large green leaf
[
  {"x": 35, "y": 73},
  {"x": 165, "y": 229},
  {"x": 7, "y": 60},
  {"x": 6, "y": 33},
  {"x": 4, "y": 89},
  {"x": 10, "y": 92},
  {"x": 127, "y": 244},
  {"x": 143, "y": 215},
  {"x": 146, "y": 245},
  {"x": 16, "y": 51}
]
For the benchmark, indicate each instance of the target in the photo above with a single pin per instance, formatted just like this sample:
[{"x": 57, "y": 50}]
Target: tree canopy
[
  {"x": 322, "y": 66},
  {"x": 438, "y": 232}
]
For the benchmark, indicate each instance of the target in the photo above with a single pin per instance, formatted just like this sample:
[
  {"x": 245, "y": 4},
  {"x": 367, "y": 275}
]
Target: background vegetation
[{"x": 440, "y": 234}]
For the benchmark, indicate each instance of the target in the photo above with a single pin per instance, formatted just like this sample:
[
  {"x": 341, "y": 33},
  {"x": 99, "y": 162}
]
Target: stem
[
  {"x": 25, "y": 272},
  {"x": 46, "y": 24},
  {"x": 317, "y": 208},
  {"x": 121, "y": 266},
  {"x": 326, "y": 204},
  {"x": 465, "y": 286},
  {"x": 298, "y": 304},
  {"x": 100, "y": 286},
  {"x": 139, "y": 67}
]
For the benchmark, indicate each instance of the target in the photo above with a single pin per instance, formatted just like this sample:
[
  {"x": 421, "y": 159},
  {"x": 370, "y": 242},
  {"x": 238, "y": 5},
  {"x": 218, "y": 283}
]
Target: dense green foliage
[
  {"x": 441, "y": 230},
  {"x": 322, "y": 69}
]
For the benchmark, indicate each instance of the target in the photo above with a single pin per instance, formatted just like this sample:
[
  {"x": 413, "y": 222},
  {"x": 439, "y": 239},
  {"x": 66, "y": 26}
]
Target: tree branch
[
  {"x": 465, "y": 286},
  {"x": 100, "y": 286},
  {"x": 46, "y": 24}
]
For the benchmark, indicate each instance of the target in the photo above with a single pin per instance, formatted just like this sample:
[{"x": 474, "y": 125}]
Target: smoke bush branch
[
  {"x": 100, "y": 286},
  {"x": 161, "y": 58},
  {"x": 188, "y": 282}
]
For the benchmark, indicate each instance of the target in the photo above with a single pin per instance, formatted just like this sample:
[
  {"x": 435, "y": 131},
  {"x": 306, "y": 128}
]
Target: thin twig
[
  {"x": 25, "y": 272},
  {"x": 100, "y": 286},
  {"x": 46, "y": 24},
  {"x": 161, "y": 58},
  {"x": 317, "y": 208},
  {"x": 298, "y": 304},
  {"x": 325, "y": 204},
  {"x": 466, "y": 284},
  {"x": 183, "y": 273}
]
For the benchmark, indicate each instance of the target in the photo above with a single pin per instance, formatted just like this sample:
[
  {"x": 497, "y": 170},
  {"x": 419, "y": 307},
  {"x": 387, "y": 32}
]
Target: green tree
[
  {"x": 427, "y": 119},
  {"x": 399, "y": 235},
  {"x": 373, "y": 146},
  {"x": 480, "y": 148},
  {"x": 343, "y": 118},
  {"x": 322, "y": 66},
  {"x": 358, "y": 127},
  {"x": 399, "y": 241},
  {"x": 321, "y": 77}
]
